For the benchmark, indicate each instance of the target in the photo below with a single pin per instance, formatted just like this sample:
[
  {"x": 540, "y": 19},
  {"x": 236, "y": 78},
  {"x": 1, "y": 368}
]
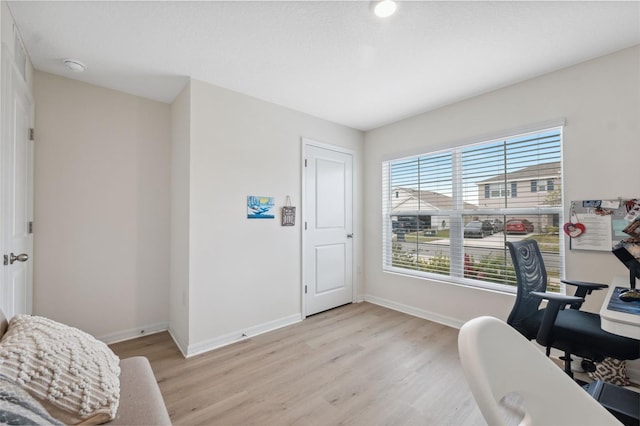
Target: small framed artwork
[{"x": 259, "y": 207}]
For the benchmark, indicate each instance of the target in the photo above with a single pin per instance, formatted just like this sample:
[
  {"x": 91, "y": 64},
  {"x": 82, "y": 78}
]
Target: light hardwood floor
[{"x": 359, "y": 364}]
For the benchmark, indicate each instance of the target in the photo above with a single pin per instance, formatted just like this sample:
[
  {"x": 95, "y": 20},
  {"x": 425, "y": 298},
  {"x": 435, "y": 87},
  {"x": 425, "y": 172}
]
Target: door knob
[
  {"x": 349, "y": 235},
  {"x": 20, "y": 258}
]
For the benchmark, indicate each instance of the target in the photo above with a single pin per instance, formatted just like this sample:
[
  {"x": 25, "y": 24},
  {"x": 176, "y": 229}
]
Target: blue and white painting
[{"x": 260, "y": 207}]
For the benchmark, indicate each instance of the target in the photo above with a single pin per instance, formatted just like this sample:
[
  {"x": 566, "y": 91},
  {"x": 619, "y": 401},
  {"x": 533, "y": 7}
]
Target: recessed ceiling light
[
  {"x": 74, "y": 65},
  {"x": 384, "y": 8}
]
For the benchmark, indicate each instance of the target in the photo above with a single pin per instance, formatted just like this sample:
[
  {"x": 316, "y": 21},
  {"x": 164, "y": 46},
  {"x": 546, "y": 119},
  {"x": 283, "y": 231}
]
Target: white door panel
[
  {"x": 330, "y": 194},
  {"x": 328, "y": 221},
  {"x": 330, "y": 268}
]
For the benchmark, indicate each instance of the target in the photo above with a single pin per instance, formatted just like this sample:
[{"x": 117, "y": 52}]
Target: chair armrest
[
  {"x": 583, "y": 289},
  {"x": 555, "y": 302},
  {"x": 585, "y": 284},
  {"x": 558, "y": 298}
]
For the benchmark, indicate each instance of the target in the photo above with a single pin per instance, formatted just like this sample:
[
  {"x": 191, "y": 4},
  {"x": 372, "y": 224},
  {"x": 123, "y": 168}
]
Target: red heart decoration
[{"x": 573, "y": 230}]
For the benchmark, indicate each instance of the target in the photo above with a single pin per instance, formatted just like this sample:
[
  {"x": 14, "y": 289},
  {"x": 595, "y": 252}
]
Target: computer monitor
[{"x": 630, "y": 262}]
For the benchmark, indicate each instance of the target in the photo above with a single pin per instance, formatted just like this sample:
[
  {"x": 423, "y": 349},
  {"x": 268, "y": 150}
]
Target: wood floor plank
[{"x": 360, "y": 364}]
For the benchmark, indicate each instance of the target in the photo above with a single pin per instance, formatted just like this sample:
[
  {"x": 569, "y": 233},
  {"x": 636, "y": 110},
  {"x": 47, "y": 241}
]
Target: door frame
[
  {"x": 12, "y": 82},
  {"x": 308, "y": 142}
]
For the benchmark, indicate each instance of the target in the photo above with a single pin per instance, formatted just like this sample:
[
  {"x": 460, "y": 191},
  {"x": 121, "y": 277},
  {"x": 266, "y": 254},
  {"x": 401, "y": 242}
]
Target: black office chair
[{"x": 569, "y": 330}]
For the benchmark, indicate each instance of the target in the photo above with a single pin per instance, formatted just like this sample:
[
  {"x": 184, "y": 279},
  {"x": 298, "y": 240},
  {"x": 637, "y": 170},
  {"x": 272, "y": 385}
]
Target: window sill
[{"x": 460, "y": 282}]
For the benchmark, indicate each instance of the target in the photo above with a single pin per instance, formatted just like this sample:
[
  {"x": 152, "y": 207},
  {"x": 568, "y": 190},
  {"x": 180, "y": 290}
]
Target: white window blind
[{"x": 447, "y": 215}]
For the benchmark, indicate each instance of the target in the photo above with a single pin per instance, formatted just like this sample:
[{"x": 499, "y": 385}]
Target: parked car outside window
[
  {"x": 519, "y": 226},
  {"x": 498, "y": 225},
  {"x": 478, "y": 228}
]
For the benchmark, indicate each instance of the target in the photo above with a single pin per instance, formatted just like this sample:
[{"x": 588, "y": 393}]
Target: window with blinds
[{"x": 448, "y": 214}]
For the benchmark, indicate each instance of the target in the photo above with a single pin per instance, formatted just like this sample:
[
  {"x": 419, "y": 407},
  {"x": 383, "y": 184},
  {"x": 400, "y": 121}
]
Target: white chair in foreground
[{"x": 498, "y": 362}]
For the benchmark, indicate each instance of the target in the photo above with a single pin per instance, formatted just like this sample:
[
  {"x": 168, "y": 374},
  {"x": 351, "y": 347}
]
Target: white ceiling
[{"x": 331, "y": 59}]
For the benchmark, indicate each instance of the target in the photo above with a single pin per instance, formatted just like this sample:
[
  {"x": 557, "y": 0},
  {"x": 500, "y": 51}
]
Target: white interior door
[
  {"x": 327, "y": 228},
  {"x": 16, "y": 191}
]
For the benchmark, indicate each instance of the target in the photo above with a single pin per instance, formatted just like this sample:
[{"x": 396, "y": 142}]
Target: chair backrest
[
  {"x": 531, "y": 275},
  {"x": 498, "y": 361}
]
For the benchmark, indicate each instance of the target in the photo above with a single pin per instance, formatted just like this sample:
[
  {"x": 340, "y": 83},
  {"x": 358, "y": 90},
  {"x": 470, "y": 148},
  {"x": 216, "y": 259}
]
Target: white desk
[{"x": 616, "y": 322}]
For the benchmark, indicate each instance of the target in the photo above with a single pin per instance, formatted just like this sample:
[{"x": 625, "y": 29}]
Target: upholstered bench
[{"x": 140, "y": 401}]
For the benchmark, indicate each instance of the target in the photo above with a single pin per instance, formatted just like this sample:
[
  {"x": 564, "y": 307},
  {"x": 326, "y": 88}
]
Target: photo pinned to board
[
  {"x": 632, "y": 242},
  {"x": 574, "y": 228},
  {"x": 633, "y": 210}
]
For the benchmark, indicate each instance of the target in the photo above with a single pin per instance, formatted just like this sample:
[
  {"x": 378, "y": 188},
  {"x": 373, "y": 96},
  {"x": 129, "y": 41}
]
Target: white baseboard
[
  {"x": 236, "y": 336},
  {"x": 120, "y": 336},
  {"x": 181, "y": 345},
  {"x": 416, "y": 312}
]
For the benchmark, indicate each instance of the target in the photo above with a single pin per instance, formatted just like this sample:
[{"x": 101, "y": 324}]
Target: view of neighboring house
[
  {"x": 407, "y": 201},
  {"x": 532, "y": 186}
]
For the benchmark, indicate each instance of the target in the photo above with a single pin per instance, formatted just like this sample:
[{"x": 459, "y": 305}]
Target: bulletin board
[{"x": 603, "y": 224}]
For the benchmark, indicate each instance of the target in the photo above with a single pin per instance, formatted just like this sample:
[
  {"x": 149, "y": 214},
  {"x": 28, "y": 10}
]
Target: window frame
[{"x": 456, "y": 215}]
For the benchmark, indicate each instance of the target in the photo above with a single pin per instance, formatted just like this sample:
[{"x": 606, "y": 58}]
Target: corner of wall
[
  {"x": 180, "y": 212},
  {"x": 182, "y": 346}
]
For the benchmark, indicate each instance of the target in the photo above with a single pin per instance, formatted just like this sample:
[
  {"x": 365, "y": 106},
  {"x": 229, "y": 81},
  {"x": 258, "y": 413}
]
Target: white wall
[
  {"x": 101, "y": 255},
  {"x": 245, "y": 275},
  {"x": 141, "y": 211},
  {"x": 600, "y": 101},
  {"x": 180, "y": 178}
]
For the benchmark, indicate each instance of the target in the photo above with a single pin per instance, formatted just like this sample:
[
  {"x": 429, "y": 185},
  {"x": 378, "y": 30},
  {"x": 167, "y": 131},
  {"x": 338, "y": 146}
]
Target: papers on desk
[
  {"x": 615, "y": 304},
  {"x": 613, "y": 319}
]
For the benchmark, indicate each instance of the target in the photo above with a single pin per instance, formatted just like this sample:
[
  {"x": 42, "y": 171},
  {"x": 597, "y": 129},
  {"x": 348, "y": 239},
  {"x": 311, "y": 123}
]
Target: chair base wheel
[{"x": 588, "y": 366}]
